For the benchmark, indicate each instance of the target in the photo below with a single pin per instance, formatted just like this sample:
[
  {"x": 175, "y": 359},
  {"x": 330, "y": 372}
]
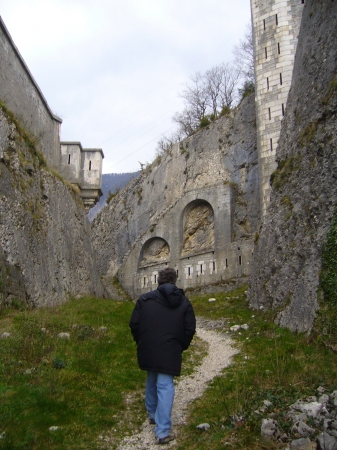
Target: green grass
[
  {"x": 273, "y": 364},
  {"x": 78, "y": 385},
  {"x": 91, "y": 386}
]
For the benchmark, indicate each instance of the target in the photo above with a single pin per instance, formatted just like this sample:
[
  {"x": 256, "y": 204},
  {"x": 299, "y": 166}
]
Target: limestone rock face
[
  {"x": 195, "y": 208},
  {"x": 45, "y": 248},
  {"x": 287, "y": 259}
]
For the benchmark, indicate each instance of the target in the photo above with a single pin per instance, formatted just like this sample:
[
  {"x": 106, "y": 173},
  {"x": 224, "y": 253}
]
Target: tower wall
[{"x": 276, "y": 26}]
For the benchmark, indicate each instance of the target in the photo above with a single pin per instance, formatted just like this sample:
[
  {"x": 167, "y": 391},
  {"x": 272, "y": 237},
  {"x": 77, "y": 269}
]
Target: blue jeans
[{"x": 159, "y": 401}]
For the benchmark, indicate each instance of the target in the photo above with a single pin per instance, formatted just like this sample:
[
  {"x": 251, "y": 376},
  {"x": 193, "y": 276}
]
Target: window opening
[
  {"x": 271, "y": 144},
  {"x": 213, "y": 265},
  {"x": 264, "y": 24},
  {"x": 177, "y": 273},
  {"x": 144, "y": 281},
  {"x": 267, "y": 83},
  {"x": 278, "y": 48},
  {"x": 276, "y": 19},
  {"x": 155, "y": 278},
  {"x": 240, "y": 260},
  {"x": 282, "y": 109},
  {"x": 200, "y": 268},
  {"x": 189, "y": 271},
  {"x": 68, "y": 159},
  {"x": 226, "y": 262},
  {"x": 281, "y": 78},
  {"x": 89, "y": 165},
  {"x": 265, "y": 52},
  {"x": 269, "y": 113}
]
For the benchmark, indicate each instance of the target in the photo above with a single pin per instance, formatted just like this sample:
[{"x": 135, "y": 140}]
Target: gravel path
[{"x": 190, "y": 387}]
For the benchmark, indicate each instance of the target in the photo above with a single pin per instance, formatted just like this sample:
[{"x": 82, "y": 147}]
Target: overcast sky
[{"x": 112, "y": 70}]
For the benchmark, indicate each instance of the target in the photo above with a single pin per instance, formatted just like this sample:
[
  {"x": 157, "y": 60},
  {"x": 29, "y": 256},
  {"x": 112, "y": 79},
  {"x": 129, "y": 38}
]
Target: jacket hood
[{"x": 172, "y": 295}]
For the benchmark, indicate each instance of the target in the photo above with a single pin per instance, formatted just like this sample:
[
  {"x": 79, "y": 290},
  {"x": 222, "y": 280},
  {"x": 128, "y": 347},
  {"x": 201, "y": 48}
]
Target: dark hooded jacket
[{"x": 163, "y": 325}]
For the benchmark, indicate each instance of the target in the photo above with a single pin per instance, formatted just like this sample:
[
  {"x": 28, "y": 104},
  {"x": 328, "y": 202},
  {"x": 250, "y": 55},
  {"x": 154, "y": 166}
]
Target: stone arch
[
  {"x": 155, "y": 251},
  {"x": 198, "y": 228}
]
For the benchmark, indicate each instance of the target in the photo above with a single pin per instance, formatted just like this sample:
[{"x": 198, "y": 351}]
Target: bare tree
[
  {"x": 244, "y": 55},
  {"x": 196, "y": 96}
]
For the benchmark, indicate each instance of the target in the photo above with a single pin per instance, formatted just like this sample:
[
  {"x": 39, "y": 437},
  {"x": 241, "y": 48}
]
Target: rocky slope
[
  {"x": 45, "y": 247},
  {"x": 287, "y": 259}
]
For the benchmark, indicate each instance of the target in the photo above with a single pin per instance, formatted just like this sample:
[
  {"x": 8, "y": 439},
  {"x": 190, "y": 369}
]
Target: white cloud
[{"x": 113, "y": 69}]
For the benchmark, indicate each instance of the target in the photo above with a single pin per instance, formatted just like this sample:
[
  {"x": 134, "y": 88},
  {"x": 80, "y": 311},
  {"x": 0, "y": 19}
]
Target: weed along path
[{"x": 219, "y": 354}]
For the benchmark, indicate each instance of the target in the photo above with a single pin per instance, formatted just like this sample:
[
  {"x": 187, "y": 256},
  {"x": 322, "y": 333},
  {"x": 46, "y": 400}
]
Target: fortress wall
[
  {"x": 21, "y": 94},
  {"x": 288, "y": 256},
  {"x": 195, "y": 209}
]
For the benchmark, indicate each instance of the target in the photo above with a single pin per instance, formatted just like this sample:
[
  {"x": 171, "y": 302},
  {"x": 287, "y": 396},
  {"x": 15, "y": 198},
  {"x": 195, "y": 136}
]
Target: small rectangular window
[
  {"x": 200, "y": 268},
  {"x": 226, "y": 262},
  {"x": 276, "y": 19},
  {"x": 68, "y": 159},
  {"x": 267, "y": 83},
  {"x": 282, "y": 109},
  {"x": 302, "y": 2},
  {"x": 189, "y": 271},
  {"x": 155, "y": 278},
  {"x": 89, "y": 165},
  {"x": 280, "y": 78},
  {"x": 271, "y": 144},
  {"x": 278, "y": 48},
  {"x": 265, "y": 52},
  {"x": 177, "y": 273},
  {"x": 264, "y": 24},
  {"x": 269, "y": 113},
  {"x": 144, "y": 281},
  {"x": 240, "y": 260},
  {"x": 213, "y": 265}
]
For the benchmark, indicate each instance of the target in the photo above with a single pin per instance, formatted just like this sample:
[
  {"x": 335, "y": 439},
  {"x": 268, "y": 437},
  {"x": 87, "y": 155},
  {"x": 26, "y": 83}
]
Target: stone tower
[{"x": 276, "y": 26}]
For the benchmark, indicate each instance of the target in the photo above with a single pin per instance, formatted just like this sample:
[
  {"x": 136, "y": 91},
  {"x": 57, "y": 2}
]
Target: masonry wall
[
  {"x": 21, "y": 94},
  {"x": 288, "y": 256},
  {"x": 275, "y": 30},
  {"x": 196, "y": 208}
]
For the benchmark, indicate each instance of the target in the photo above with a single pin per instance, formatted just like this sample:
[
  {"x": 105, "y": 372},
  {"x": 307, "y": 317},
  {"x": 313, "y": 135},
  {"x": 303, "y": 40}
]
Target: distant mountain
[{"x": 110, "y": 182}]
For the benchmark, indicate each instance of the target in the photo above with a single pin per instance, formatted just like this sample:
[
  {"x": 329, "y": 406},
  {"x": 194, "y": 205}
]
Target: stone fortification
[
  {"x": 45, "y": 248},
  {"x": 287, "y": 259},
  {"x": 276, "y": 26},
  {"x": 21, "y": 95},
  {"x": 196, "y": 208}
]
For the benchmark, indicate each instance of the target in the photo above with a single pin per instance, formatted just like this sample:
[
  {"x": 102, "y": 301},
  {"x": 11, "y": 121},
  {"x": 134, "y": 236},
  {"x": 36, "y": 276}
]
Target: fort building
[
  {"x": 276, "y": 25},
  {"x": 23, "y": 97}
]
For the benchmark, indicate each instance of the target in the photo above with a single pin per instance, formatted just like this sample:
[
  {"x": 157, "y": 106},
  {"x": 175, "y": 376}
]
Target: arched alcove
[
  {"x": 198, "y": 228},
  {"x": 155, "y": 250}
]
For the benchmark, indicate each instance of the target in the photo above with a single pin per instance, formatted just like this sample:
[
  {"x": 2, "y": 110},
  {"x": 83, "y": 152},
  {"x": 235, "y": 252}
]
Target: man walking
[{"x": 163, "y": 325}]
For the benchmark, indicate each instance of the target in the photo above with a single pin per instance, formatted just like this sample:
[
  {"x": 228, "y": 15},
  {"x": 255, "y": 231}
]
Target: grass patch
[
  {"x": 91, "y": 386},
  {"x": 79, "y": 385},
  {"x": 274, "y": 364}
]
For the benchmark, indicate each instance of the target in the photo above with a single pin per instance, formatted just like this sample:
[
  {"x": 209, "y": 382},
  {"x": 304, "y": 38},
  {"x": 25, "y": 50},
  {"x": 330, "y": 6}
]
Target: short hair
[{"x": 167, "y": 275}]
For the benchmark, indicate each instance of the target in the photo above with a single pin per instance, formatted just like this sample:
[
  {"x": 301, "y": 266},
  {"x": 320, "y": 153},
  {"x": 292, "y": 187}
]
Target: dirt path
[{"x": 190, "y": 387}]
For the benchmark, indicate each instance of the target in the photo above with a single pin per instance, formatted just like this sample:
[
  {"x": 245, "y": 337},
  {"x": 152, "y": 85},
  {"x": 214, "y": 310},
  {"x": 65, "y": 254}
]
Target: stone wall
[
  {"x": 23, "y": 97},
  {"x": 196, "y": 208},
  {"x": 275, "y": 29},
  {"x": 45, "y": 248},
  {"x": 21, "y": 94},
  {"x": 287, "y": 259}
]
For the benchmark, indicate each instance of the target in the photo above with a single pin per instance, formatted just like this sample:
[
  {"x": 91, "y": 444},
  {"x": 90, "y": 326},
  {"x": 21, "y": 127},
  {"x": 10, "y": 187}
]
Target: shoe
[
  {"x": 166, "y": 440},
  {"x": 152, "y": 421}
]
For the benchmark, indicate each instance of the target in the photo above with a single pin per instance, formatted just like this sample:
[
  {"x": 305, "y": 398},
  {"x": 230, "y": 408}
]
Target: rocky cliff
[
  {"x": 195, "y": 207},
  {"x": 287, "y": 258},
  {"x": 45, "y": 247}
]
